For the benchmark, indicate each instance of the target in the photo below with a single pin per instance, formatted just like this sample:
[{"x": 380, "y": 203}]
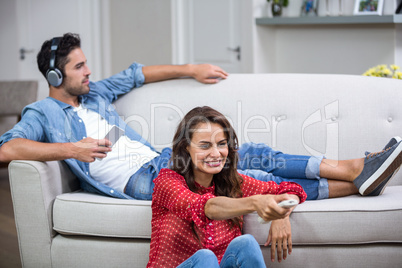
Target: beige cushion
[
  {"x": 348, "y": 220},
  {"x": 89, "y": 214},
  {"x": 360, "y": 219}
]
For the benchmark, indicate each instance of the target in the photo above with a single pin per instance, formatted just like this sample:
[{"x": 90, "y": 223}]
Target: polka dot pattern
[{"x": 179, "y": 224}]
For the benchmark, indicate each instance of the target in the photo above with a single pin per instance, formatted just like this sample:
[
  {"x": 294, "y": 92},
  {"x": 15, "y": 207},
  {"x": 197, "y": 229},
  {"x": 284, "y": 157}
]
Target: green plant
[
  {"x": 382, "y": 70},
  {"x": 284, "y": 3}
]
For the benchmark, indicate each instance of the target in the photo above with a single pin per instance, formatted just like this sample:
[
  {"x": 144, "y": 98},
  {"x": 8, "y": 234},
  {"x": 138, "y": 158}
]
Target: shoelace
[{"x": 369, "y": 155}]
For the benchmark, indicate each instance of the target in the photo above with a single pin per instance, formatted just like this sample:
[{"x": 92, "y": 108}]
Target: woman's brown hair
[{"x": 228, "y": 181}]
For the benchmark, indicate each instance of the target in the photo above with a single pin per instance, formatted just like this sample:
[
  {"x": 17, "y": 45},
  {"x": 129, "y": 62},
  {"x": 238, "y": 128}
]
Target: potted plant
[{"x": 277, "y": 6}]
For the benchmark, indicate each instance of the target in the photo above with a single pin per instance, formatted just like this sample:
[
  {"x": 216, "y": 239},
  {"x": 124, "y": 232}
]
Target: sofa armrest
[{"x": 34, "y": 187}]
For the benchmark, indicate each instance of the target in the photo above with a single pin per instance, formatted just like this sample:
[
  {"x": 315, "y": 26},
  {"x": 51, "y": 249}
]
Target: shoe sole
[
  {"x": 397, "y": 140},
  {"x": 393, "y": 175},
  {"x": 392, "y": 163}
]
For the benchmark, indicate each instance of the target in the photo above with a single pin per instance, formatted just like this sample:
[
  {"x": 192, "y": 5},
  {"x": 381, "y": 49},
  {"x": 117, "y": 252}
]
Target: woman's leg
[
  {"x": 243, "y": 251},
  {"x": 202, "y": 258}
]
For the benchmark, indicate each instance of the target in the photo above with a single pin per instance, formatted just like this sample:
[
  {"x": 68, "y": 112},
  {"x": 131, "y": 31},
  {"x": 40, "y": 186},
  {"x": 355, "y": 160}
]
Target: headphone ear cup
[{"x": 54, "y": 77}]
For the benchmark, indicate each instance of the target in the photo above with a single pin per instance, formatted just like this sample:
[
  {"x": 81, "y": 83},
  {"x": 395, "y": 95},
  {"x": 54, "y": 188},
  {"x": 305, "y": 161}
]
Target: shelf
[{"x": 358, "y": 19}]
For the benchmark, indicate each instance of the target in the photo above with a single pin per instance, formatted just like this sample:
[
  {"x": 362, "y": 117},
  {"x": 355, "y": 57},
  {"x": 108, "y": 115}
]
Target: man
[
  {"x": 72, "y": 122},
  {"x": 57, "y": 135}
]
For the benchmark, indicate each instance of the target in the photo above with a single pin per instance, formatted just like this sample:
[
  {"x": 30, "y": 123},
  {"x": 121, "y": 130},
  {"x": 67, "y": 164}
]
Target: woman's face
[{"x": 208, "y": 150}]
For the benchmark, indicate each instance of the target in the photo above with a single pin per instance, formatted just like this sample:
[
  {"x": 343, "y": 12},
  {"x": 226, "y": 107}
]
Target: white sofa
[{"x": 341, "y": 116}]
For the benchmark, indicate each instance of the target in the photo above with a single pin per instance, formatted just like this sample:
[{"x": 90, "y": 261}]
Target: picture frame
[
  {"x": 368, "y": 7},
  {"x": 309, "y": 8}
]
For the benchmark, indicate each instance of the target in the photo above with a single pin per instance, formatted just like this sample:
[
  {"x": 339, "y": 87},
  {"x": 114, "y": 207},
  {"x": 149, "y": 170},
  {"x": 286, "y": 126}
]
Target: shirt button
[
  {"x": 80, "y": 121},
  {"x": 84, "y": 137},
  {"x": 111, "y": 191},
  {"x": 87, "y": 173}
]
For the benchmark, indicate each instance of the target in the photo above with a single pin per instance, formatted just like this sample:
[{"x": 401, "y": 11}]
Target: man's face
[{"x": 76, "y": 81}]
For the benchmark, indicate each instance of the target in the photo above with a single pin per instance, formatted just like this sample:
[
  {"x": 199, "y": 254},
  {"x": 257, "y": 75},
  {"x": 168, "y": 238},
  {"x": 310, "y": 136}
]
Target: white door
[
  {"x": 208, "y": 31},
  {"x": 40, "y": 20}
]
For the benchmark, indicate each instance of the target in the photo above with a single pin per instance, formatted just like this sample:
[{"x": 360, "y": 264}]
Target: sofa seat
[
  {"x": 360, "y": 220},
  {"x": 359, "y": 217}
]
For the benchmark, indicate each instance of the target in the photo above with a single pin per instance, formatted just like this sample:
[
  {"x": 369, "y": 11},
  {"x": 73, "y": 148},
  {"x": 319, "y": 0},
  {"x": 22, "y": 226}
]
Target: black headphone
[{"x": 54, "y": 75}]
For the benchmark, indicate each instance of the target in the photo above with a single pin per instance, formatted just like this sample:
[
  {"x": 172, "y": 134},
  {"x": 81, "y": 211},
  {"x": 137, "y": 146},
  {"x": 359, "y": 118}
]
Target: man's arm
[
  {"x": 85, "y": 150},
  {"x": 204, "y": 73}
]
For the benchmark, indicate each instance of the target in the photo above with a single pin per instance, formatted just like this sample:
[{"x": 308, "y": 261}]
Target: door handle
[
  {"x": 237, "y": 50},
  {"x": 23, "y": 51}
]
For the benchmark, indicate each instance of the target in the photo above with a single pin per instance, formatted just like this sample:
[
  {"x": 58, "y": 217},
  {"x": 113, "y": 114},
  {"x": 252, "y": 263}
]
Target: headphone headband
[
  {"x": 53, "y": 75},
  {"x": 53, "y": 49}
]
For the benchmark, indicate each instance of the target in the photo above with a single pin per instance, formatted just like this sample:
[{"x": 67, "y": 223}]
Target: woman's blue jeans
[
  {"x": 243, "y": 251},
  {"x": 258, "y": 161}
]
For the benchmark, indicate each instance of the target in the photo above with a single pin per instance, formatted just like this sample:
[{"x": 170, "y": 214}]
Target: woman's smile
[
  {"x": 213, "y": 163},
  {"x": 208, "y": 150}
]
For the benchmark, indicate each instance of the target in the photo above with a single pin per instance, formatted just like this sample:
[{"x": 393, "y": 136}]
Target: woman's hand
[
  {"x": 280, "y": 238},
  {"x": 268, "y": 209}
]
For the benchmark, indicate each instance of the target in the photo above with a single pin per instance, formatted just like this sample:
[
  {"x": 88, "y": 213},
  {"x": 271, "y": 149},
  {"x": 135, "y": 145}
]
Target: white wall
[
  {"x": 141, "y": 32},
  {"x": 338, "y": 49},
  {"x": 9, "y": 54}
]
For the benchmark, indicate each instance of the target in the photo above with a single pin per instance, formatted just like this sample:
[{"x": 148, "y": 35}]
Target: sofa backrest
[{"x": 340, "y": 116}]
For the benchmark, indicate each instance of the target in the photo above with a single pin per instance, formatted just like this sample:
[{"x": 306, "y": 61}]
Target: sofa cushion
[
  {"x": 81, "y": 213},
  {"x": 347, "y": 220}
]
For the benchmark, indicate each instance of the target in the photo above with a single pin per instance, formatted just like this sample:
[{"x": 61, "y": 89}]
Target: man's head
[{"x": 68, "y": 42}]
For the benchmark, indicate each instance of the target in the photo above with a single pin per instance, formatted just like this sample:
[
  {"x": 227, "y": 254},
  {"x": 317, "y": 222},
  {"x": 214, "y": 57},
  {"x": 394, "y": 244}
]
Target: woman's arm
[
  {"x": 204, "y": 73},
  {"x": 222, "y": 208}
]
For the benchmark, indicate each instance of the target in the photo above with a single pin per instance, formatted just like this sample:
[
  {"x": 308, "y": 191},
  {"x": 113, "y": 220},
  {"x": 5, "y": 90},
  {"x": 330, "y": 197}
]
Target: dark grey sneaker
[
  {"x": 380, "y": 188},
  {"x": 392, "y": 142},
  {"x": 378, "y": 167}
]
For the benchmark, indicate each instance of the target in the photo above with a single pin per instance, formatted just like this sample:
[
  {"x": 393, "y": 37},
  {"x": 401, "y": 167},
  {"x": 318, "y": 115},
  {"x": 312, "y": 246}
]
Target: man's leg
[
  {"x": 370, "y": 175},
  {"x": 140, "y": 185},
  {"x": 315, "y": 189},
  {"x": 262, "y": 157}
]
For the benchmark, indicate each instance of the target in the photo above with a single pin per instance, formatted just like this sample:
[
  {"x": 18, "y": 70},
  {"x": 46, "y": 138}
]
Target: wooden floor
[{"x": 9, "y": 252}]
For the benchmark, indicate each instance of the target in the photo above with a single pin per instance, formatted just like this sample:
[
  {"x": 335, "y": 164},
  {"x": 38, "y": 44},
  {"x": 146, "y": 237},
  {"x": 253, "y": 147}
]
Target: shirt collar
[
  {"x": 63, "y": 105},
  {"x": 202, "y": 190}
]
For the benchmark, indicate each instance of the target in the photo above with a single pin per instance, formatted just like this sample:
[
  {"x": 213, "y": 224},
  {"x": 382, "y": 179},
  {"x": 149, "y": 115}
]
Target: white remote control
[
  {"x": 284, "y": 204},
  {"x": 288, "y": 203}
]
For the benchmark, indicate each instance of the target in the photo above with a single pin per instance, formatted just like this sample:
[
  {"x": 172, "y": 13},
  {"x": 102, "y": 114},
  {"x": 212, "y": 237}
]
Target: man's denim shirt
[{"x": 53, "y": 121}]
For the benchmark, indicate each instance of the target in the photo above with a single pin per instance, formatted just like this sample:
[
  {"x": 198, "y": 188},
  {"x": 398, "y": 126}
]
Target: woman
[{"x": 197, "y": 206}]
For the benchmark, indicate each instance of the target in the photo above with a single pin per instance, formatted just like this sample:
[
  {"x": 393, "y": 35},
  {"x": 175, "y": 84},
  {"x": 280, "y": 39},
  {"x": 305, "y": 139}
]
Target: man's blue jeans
[
  {"x": 255, "y": 160},
  {"x": 243, "y": 251},
  {"x": 261, "y": 162}
]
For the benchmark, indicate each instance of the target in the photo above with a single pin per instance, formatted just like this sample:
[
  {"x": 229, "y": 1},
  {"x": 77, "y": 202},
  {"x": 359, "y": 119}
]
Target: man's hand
[
  {"x": 207, "y": 73},
  {"x": 204, "y": 73},
  {"x": 280, "y": 238},
  {"x": 88, "y": 149}
]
